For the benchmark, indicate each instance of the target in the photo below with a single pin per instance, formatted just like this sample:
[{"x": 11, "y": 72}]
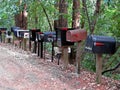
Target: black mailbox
[
  {"x": 14, "y": 30},
  {"x": 49, "y": 36},
  {"x": 3, "y": 30},
  {"x": 39, "y": 36},
  {"x": 33, "y": 33},
  {"x": 100, "y": 44},
  {"x": 61, "y": 37}
]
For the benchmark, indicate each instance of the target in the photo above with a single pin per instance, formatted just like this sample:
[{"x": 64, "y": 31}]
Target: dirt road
[{"x": 19, "y": 71}]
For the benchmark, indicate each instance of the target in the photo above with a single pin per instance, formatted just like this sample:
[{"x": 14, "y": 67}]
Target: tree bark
[
  {"x": 21, "y": 19},
  {"x": 76, "y": 24},
  {"x": 96, "y": 13},
  {"x": 63, "y": 23},
  {"x": 62, "y": 11},
  {"x": 76, "y": 14}
]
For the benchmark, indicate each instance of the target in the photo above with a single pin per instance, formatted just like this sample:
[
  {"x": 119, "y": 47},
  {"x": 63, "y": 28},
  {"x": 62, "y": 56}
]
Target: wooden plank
[{"x": 98, "y": 68}]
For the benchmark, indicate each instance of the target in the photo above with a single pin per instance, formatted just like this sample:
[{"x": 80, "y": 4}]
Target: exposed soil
[{"x": 23, "y": 70}]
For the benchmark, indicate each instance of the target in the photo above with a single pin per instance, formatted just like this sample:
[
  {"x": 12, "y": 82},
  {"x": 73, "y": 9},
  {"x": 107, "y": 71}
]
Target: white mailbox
[
  {"x": 20, "y": 33},
  {"x": 26, "y": 35}
]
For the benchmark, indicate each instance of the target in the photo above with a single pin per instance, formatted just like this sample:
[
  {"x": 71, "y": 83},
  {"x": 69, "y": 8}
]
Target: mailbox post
[
  {"x": 100, "y": 45},
  {"x": 39, "y": 38},
  {"x": 51, "y": 38},
  {"x": 9, "y": 36},
  {"x": 33, "y": 38},
  {"x": 3, "y": 32},
  {"x": 26, "y": 37}
]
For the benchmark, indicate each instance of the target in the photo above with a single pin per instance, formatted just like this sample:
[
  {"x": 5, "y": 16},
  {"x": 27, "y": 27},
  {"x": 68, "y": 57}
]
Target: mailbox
[
  {"x": 14, "y": 30},
  {"x": 76, "y": 35},
  {"x": 39, "y": 36},
  {"x": 3, "y": 29},
  {"x": 33, "y": 34},
  {"x": 26, "y": 35},
  {"x": 100, "y": 44},
  {"x": 49, "y": 36},
  {"x": 8, "y": 34},
  {"x": 20, "y": 33},
  {"x": 61, "y": 37}
]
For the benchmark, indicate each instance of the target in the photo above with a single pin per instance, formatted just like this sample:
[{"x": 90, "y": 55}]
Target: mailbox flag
[{"x": 98, "y": 44}]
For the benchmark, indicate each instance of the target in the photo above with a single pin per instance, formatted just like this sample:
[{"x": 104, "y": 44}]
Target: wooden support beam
[{"x": 98, "y": 68}]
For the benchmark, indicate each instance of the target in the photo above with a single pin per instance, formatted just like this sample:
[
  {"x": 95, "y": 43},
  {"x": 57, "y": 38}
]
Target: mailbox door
[
  {"x": 76, "y": 35},
  {"x": 89, "y": 44},
  {"x": 26, "y": 35}
]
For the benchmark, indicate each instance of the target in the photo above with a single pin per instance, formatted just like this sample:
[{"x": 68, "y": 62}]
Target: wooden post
[
  {"x": 38, "y": 49},
  {"x": 4, "y": 37},
  {"x": 41, "y": 49},
  {"x": 44, "y": 49},
  {"x": 65, "y": 56},
  {"x": 52, "y": 51},
  {"x": 98, "y": 68},
  {"x": 13, "y": 38},
  {"x": 78, "y": 57},
  {"x": 20, "y": 42},
  {"x": 29, "y": 44},
  {"x": 35, "y": 47},
  {"x": 24, "y": 43}
]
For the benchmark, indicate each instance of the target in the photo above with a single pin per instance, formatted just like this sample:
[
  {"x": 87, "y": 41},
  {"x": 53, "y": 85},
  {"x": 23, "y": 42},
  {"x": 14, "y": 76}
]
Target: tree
[
  {"x": 63, "y": 23},
  {"x": 21, "y": 18},
  {"x": 76, "y": 24}
]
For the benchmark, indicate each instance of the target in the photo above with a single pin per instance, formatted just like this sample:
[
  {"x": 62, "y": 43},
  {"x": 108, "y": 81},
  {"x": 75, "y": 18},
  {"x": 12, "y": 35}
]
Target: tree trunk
[
  {"x": 63, "y": 23},
  {"x": 21, "y": 19},
  {"x": 76, "y": 24},
  {"x": 18, "y": 20},
  {"x": 62, "y": 11},
  {"x": 56, "y": 22},
  {"x": 96, "y": 12},
  {"x": 76, "y": 14}
]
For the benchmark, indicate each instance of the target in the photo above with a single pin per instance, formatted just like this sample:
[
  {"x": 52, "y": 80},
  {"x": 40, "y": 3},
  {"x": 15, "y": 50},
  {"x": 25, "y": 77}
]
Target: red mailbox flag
[
  {"x": 65, "y": 29},
  {"x": 98, "y": 44}
]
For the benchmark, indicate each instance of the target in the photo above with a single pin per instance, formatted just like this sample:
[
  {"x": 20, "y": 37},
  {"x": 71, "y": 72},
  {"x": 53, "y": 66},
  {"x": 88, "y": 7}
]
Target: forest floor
[{"x": 23, "y": 70}]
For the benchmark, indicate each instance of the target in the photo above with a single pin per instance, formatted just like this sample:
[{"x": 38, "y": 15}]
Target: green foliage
[
  {"x": 109, "y": 20},
  {"x": 89, "y": 62}
]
